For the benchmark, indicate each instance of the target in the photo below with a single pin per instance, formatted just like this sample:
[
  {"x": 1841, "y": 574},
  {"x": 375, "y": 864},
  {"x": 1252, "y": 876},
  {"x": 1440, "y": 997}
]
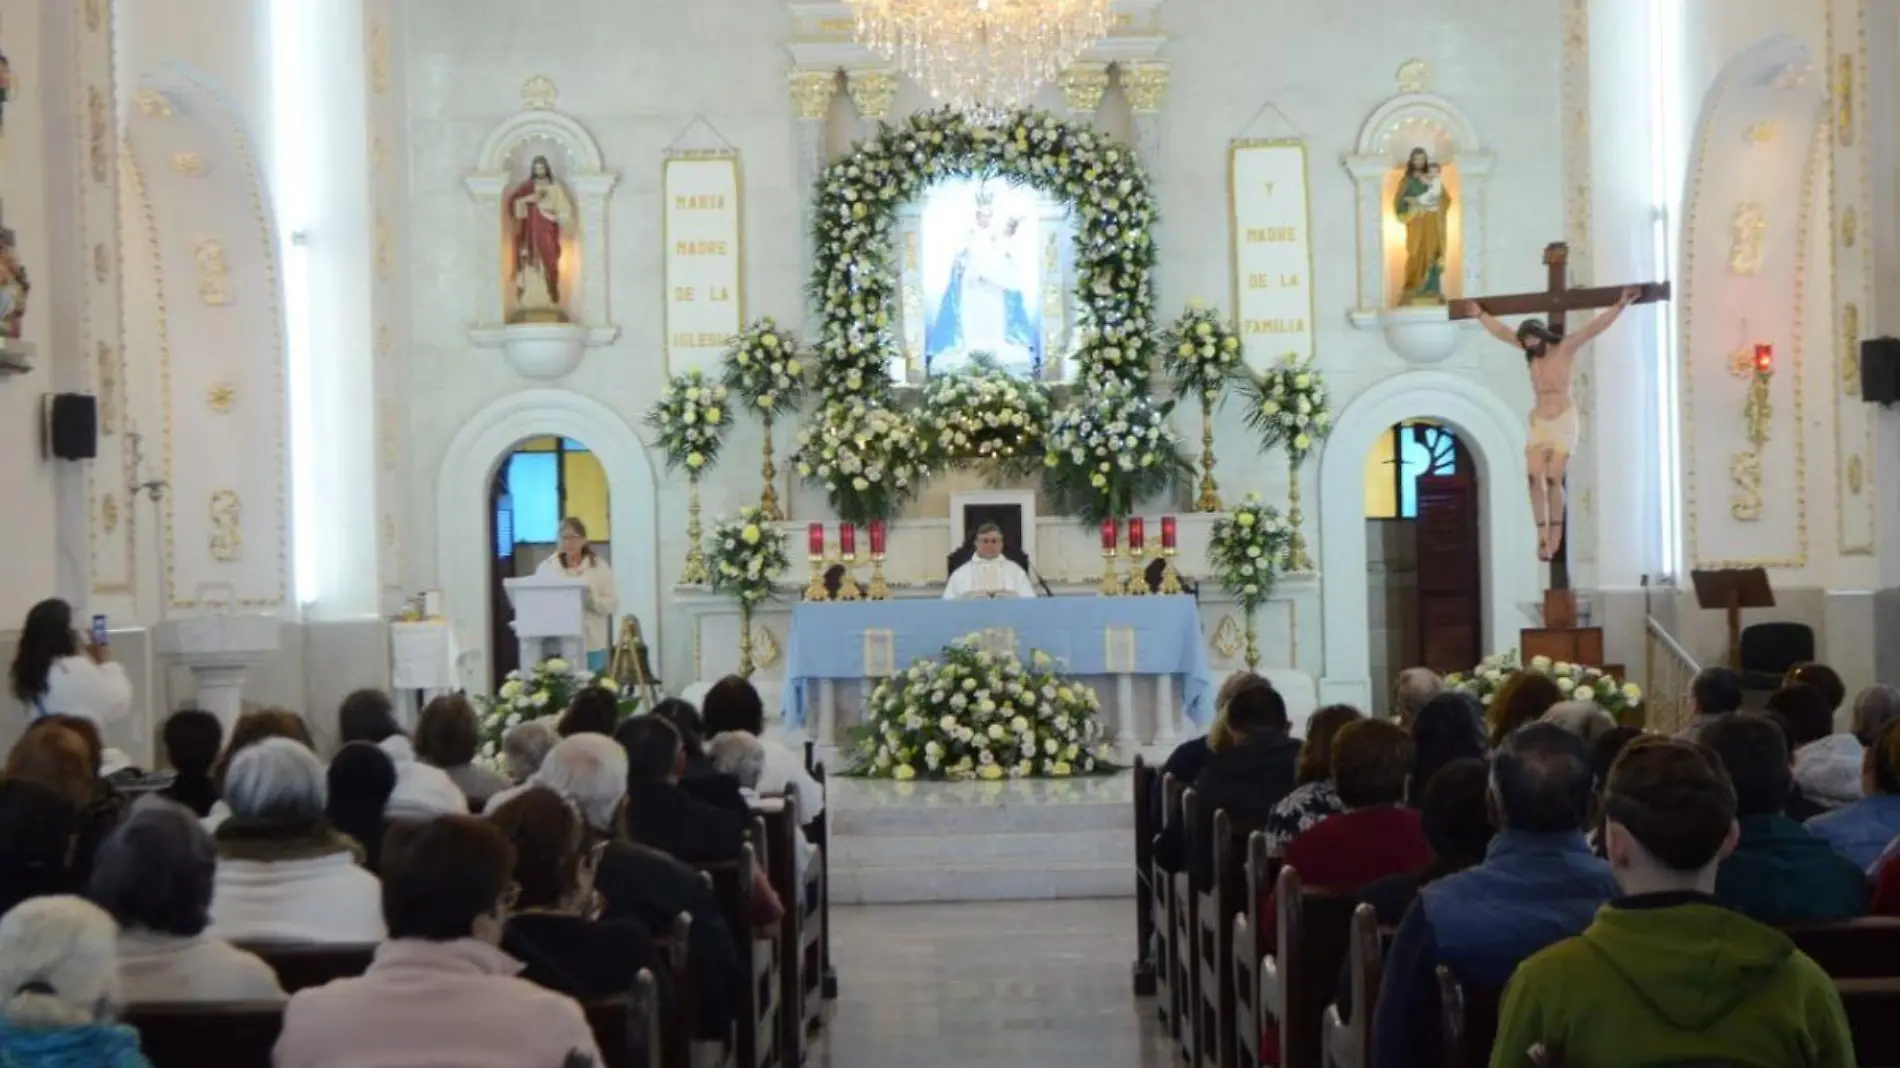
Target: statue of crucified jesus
[{"x": 1550, "y": 356}]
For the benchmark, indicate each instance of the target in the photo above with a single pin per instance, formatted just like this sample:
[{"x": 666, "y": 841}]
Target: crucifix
[{"x": 1551, "y": 353}]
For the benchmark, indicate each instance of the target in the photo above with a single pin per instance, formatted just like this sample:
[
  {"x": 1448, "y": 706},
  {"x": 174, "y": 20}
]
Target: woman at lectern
[{"x": 577, "y": 559}]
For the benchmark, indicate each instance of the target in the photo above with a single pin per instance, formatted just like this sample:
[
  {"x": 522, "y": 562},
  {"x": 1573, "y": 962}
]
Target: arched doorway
[
  {"x": 538, "y": 484},
  {"x": 1422, "y": 561}
]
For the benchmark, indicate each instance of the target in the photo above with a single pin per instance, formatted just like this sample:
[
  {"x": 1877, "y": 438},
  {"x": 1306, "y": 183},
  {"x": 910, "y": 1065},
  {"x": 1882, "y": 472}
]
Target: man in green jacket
[
  {"x": 1665, "y": 975},
  {"x": 1780, "y": 872}
]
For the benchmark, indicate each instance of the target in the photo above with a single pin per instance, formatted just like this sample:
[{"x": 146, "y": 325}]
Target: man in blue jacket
[{"x": 1539, "y": 883}]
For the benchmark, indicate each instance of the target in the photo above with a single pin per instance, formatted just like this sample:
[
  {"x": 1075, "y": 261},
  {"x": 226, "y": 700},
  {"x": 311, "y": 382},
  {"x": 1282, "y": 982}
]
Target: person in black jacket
[
  {"x": 1246, "y": 778},
  {"x": 192, "y": 740},
  {"x": 699, "y": 778},
  {"x": 659, "y": 813},
  {"x": 556, "y": 927}
]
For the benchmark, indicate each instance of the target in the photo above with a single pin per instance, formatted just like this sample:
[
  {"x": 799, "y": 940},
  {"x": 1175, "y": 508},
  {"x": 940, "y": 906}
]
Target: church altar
[{"x": 1118, "y": 637}]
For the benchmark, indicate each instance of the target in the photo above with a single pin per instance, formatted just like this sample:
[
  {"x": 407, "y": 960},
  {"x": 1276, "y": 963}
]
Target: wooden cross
[{"x": 1554, "y": 303}]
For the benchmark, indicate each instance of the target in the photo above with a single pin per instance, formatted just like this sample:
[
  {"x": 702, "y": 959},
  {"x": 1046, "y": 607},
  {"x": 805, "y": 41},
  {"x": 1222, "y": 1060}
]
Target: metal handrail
[{"x": 1668, "y": 674}]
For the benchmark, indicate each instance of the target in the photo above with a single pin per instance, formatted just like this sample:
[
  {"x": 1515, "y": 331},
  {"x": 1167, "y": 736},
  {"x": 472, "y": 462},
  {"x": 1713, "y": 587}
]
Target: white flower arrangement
[
  {"x": 765, "y": 368},
  {"x": 546, "y": 689},
  {"x": 1108, "y": 451},
  {"x": 745, "y": 555},
  {"x": 976, "y": 713},
  {"x": 1249, "y": 548},
  {"x": 1200, "y": 353},
  {"x": 1287, "y": 406},
  {"x": 1575, "y": 681},
  {"x": 987, "y": 417},
  {"x": 690, "y": 418},
  {"x": 854, "y": 277},
  {"x": 868, "y": 459}
]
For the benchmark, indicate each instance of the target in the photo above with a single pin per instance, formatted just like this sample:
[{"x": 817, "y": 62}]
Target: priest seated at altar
[{"x": 987, "y": 569}]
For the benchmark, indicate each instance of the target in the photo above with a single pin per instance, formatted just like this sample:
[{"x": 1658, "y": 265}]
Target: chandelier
[{"x": 983, "y": 57}]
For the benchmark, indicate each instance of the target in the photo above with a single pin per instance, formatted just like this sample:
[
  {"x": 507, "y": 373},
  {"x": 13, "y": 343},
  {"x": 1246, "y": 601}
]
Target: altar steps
[{"x": 1017, "y": 841}]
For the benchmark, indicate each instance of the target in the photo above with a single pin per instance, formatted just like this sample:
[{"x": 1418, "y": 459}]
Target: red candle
[
  {"x": 1764, "y": 359},
  {"x": 815, "y": 535},
  {"x": 1136, "y": 534},
  {"x": 1109, "y": 531},
  {"x": 1167, "y": 532},
  {"x": 848, "y": 539},
  {"x": 877, "y": 537}
]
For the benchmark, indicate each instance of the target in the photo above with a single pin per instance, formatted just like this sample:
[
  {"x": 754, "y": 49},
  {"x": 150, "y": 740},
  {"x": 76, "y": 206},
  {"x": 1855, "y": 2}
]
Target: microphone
[{"x": 1040, "y": 581}]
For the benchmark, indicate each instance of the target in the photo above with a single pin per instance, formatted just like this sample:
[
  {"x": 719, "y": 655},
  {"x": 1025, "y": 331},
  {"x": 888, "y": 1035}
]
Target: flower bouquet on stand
[
  {"x": 975, "y": 712},
  {"x": 868, "y": 459},
  {"x": 1575, "y": 681},
  {"x": 691, "y": 419},
  {"x": 985, "y": 418},
  {"x": 745, "y": 555},
  {"x": 1109, "y": 450},
  {"x": 1250, "y": 547},
  {"x": 546, "y": 689},
  {"x": 1287, "y": 406},
  {"x": 1200, "y": 354},
  {"x": 764, "y": 367}
]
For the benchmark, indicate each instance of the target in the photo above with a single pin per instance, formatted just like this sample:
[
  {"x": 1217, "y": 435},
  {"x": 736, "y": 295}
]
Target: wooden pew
[
  {"x": 1297, "y": 981},
  {"x": 1185, "y": 924},
  {"x": 779, "y": 819},
  {"x": 756, "y": 1041},
  {"x": 820, "y": 836},
  {"x": 229, "y": 1034},
  {"x": 1865, "y": 948},
  {"x": 1250, "y": 950},
  {"x": 1873, "y": 1016},
  {"x": 1161, "y": 887},
  {"x": 1219, "y": 901},
  {"x": 681, "y": 1024},
  {"x": 1467, "y": 1022},
  {"x": 301, "y": 965},
  {"x": 1348, "y": 1043},
  {"x": 1147, "y": 783}
]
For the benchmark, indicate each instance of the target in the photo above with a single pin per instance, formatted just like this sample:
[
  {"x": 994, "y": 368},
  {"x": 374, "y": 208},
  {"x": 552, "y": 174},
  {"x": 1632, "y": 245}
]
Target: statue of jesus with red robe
[{"x": 539, "y": 211}]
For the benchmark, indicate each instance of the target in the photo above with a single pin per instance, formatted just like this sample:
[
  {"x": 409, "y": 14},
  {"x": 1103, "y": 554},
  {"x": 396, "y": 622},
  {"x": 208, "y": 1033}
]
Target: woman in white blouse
[
  {"x": 577, "y": 559},
  {"x": 56, "y": 673}
]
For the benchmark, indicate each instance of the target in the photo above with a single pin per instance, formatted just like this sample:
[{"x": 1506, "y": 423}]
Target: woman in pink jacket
[{"x": 439, "y": 991}]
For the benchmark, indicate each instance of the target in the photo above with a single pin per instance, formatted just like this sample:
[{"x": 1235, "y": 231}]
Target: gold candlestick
[
  {"x": 1136, "y": 585},
  {"x": 768, "y": 498},
  {"x": 694, "y": 573},
  {"x": 847, "y": 585},
  {"x": 1297, "y": 559},
  {"x": 745, "y": 640},
  {"x": 1111, "y": 580},
  {"x": 1210, "y": 491},
  {"x": 877, "y": 590},
  {"x": 1253, "y": 643},
  {"x": 815, "y": 589},
  {"x": 1170, "y": 578}
]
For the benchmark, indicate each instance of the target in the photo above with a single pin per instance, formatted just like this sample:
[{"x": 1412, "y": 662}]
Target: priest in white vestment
[{"x": 989, "y": 573}]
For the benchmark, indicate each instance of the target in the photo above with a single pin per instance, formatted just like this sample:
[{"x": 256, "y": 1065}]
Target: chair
[
  {"x": 1147, "y": 780},
  {"x": 1298, "y": 980},
  {"x": 229, "y": 1034},
  {"x": 1250, "y": 950},
  {"x": 1467, "y": 1022},
  {"x": 1768, "y": 650},
  {"x": 1349, "y": 1042},
  {"x": 301, "y": 965},
  {"x": 962, "y": 556},
  {"x": 1864, "y": 948}
]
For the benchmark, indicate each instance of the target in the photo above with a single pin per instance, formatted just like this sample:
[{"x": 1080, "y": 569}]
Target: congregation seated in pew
[
  {"x": 733, "y": 704},
  {"x": 1189, "y": 759},
  {"x": 1248, "y": 773},
  {"x": 59, "y": 987},
  {"x": 1778, "y": 872},
  {"x": 1449, "y": 727},
  {"x": 1862, "y": 830},
  {"x": 360, "y": 779},
  {"x": 1314, "y": 797},
  {"x": 1538, "y": 883},
  {"x": 447, "y": 735},
  {"x": 1665, "y": 974},
  {"x": 1713, "y": 693},
  {"x": 701, "y": 778},
  {"x": 421, "y": 790},
  {"x": 192, "y": 738}
]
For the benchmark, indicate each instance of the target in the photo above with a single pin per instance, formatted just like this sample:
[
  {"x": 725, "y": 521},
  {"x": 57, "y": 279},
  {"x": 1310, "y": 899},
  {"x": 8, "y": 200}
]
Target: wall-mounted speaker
[
  {"x": 72, "y": 426},
  {"x": 1880, "y": 370}
]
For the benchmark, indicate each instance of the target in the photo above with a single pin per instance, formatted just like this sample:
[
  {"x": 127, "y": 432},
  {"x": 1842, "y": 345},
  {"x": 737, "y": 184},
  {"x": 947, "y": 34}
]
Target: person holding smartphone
[{"x": 58, "y": 671}]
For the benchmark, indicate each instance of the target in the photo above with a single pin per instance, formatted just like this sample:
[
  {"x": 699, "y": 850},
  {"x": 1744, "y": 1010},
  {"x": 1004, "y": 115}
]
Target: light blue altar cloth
[{"x": 1087, "y": 635}]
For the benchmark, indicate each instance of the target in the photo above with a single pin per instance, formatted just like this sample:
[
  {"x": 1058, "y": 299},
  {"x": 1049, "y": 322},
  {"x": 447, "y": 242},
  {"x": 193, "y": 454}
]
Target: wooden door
[
  {"x": 504, "y": 654},
  {"x": 1450, "y": 589}
]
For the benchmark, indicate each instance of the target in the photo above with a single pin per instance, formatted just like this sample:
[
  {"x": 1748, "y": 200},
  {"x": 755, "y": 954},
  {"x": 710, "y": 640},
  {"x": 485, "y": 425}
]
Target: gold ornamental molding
[
  {"x": 1083, "y": 85},
  {"x": 812, "y": 91},
  {"x": 539, "y": 93},
  {"x": 872, "y": 91},
  {"x": 1145, "y": 84},
  {"x": 1850, "y": 274}
]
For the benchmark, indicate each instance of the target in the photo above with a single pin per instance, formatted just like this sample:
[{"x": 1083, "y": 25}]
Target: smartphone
[{"x": 99, "y": 630}]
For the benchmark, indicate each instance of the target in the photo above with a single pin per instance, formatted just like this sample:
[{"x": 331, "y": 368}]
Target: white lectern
[{"x": 549, "y": 610}]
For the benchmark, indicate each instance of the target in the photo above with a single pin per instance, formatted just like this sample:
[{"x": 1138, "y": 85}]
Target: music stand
[{"x": 1733, "y": 589}]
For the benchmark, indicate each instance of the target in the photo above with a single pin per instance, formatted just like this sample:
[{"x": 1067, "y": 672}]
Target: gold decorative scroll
[
  {"x": 189, "y": 164},
  {"x": 1850, "y": 351},
  {"x": 1748, "y": 228},
  {"x": 1744, "y": 470},
  {"x": 539, "y": 92},
  {"x": 227, "y": 526},
  {"x": 765, "y": 648},
  {"x": 213, "y": 273},
  {"x": 1272, "y": 247},
  {"x": 98, "y": 135},
  {"x": 1844, "y": 100},
  {"x": 221, "y": 398},
  {"x": 106, "y": 371},
  {"x": 1228, "y": 638},
  {"x": 1850, "y": 227},
  {"x": 880, "y": 654},
  {"x": 702, "y": 249}
]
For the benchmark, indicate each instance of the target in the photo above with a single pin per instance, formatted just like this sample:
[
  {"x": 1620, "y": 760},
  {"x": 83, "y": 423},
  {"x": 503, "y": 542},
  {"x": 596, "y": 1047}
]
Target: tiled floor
[{"x": 988, "y": 985}]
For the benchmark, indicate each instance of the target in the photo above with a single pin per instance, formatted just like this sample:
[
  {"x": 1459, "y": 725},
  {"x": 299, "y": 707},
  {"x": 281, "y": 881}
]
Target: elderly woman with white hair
[
  {"x": 154, "y": 873},
  {"x": 283, "y": 873},
  {"x": 1585, "y": 719},
  {"x": 59, "y": 988},
  {"x": 642, "y": 884},
  {"x": 524, "y": 748},
  {"x": 742, "y": 756}
]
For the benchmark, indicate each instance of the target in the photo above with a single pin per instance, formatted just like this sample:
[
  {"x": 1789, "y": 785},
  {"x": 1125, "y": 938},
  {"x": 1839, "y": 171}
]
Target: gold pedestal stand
[
  {"x": 815, "y": 589},
  {"x": 745, "y": 640},
  {"x": 1253, "y": 644},
  {"x": 1136, "y": 585},
  {"x": 768, "y": 499},
  {"x": 1297, "y": 559},
  {"x": 847, "y": 585},
  {"x": 877, "y": 590},
  {"x": 1170, "y": 578},
  {"x": 1209, "y": 500},
  {"x": 1111, "y": 579},
  {"x": 694, "y": 573}
]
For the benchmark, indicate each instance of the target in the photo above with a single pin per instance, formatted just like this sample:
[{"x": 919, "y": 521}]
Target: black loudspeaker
[
  {"x": 72, "y": 426},
  {"x": 1880, "y": 370}
]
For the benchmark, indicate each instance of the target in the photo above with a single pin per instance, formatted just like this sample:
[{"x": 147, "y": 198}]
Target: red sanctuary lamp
[
  {"x": 1111, "y": 585},
  {"x": 1170, "y": 535},
  {"x": 815, "y": 551},
  {"x": 1137, "y": 581},
  {"x": 848, "y": 589},
  {"x": 877, "y": 590}
]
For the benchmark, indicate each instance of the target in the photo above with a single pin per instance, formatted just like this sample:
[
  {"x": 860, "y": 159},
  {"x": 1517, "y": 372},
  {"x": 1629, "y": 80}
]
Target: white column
[
  {"x": 1167, "y": 716},
  {"x": 1146, "y": 87},
  {"x": 1082, "y": 87},
  {"x": 827, "y": 726},
  {"x": 1126, "y": 740}
]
